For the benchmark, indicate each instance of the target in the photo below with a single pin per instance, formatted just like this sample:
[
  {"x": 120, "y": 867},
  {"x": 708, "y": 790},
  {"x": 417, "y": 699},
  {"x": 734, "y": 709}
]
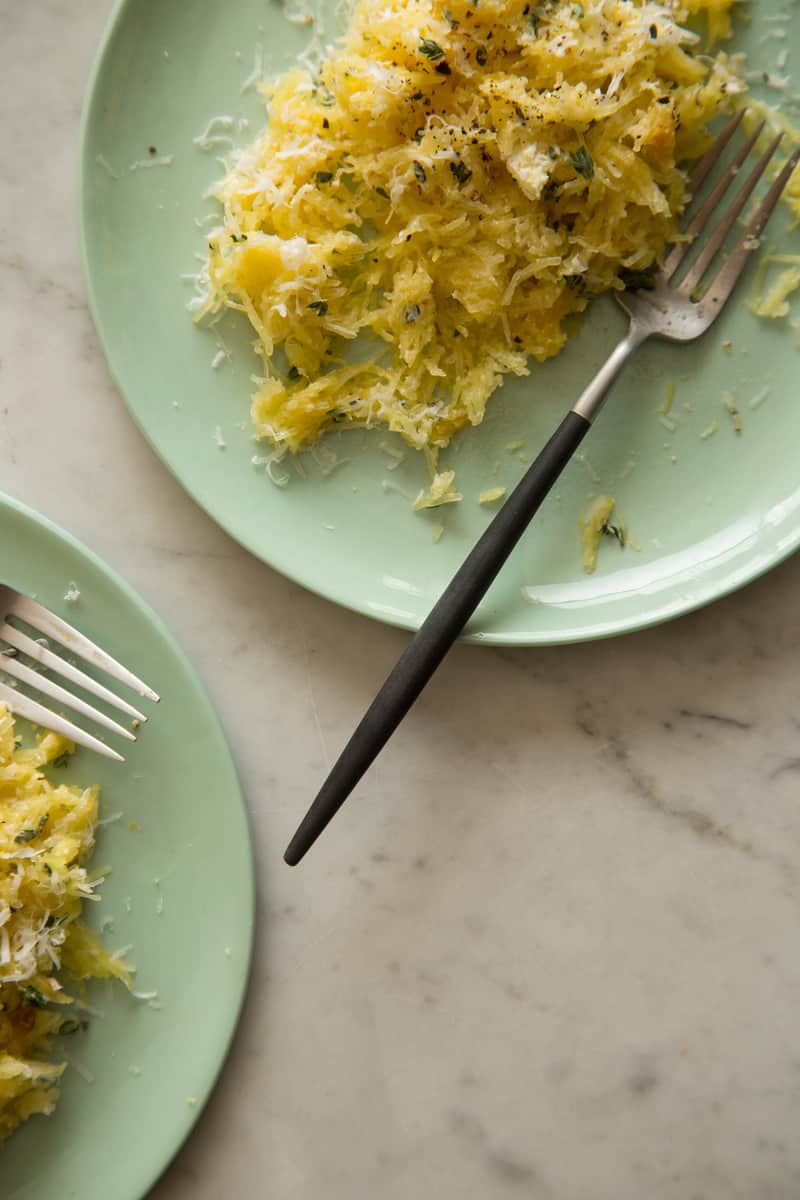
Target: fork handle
[
  {"x": 438, "y": 632},
  {"x": 458, "y": 602}
]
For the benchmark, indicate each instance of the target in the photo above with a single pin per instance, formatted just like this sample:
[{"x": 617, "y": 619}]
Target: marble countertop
[{"x": 556, "y": 954}]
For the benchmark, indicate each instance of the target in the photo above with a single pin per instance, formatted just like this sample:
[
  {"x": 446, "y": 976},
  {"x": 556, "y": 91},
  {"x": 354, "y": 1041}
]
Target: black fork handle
[{"x": 439, "y": 631}]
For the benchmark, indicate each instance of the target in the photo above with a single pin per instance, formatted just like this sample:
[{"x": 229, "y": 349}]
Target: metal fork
[
  {"x": 15, "y": 606},
  {"x": 676, "y": 309}
]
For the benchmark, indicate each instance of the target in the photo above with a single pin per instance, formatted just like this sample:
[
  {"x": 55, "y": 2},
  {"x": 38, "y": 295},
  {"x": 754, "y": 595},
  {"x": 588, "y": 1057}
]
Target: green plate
[
  {"x": 180, "y": 893},
  {"x": 708, "y": 514}
]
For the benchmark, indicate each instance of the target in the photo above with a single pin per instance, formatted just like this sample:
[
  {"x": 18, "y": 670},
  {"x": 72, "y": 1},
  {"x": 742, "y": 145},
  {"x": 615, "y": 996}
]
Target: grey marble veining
[{"x": 550, "y": 950}]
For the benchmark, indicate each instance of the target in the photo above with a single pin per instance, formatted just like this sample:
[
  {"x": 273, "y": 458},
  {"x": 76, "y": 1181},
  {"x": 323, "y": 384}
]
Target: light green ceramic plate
[
  {"x": 180, "y": 892},
  {"x": 709, "y": 514}
]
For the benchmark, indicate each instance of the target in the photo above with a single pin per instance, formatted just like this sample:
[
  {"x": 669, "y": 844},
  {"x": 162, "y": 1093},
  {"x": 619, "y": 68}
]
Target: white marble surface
[{"x": 552, "y": 951}]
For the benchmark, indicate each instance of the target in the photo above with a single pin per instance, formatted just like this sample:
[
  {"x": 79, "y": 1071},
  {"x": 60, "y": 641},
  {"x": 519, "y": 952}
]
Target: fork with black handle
[{"x": 679, "y": 309}]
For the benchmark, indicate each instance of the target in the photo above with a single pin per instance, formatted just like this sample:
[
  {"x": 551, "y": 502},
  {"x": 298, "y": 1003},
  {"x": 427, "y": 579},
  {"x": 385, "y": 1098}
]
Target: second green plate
[{"x": 180, "y": 895}]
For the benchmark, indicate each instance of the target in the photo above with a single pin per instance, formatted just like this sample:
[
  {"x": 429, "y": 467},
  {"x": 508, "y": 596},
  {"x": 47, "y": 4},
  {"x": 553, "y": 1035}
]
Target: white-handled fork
[{"x": 16, "y": 610}]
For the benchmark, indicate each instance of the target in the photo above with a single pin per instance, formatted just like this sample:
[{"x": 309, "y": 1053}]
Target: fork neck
[{"x": 595, "y": 395}]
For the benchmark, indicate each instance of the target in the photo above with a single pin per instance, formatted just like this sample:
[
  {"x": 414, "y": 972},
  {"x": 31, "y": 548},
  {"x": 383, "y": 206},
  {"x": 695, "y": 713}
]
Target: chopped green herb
[
  {"x": 68, "y": 1027},
  {"x": 581, "y": 160},
  {"x": 61, "y": 761},
  {"x": 419, "y": 133},
  {"x": 33, "y": 996},
  {"x": 419, "y": 172},
  {"x": 27, "y": 835},
  {"x": 431, "y": 50},
  {"x": 460, "y": 171},
  {"x": 443, "y": 68},
  {"x": 639, "y": 281},
  {"x": 412, "y": 313},
  {"x": 481, "y": 56},
  {"x": 535, "y": 22},
  {"x": 382, "y": 192},
  {"x": 46, "y": 867},
  {"x": 618, "y": 533},
  {"x": 320, "y": 307}
]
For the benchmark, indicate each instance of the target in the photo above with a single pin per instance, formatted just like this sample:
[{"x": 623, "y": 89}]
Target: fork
[
  {"x": 676, "y": 309},
  {"x": 18, "y": 607}
]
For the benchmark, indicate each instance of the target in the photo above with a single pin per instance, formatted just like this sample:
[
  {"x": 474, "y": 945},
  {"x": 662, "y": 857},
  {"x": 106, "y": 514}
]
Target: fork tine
[
  {"x": 728, "y": 274},
  {"x": 52, "y": 626},
  {"x": 707, "y": 164},
  {"x": 23, "y": 706},
  {"x": 710, "y": 205},
  {"x": 53, "y": 662},
  {"x": 717, "y": 239},
  {"x": 48, "y": 687}
]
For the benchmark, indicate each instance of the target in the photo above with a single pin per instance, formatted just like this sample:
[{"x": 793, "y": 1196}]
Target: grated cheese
[
  {"x": 440, "y": 492},
  {"x": 157, "y": 160}
]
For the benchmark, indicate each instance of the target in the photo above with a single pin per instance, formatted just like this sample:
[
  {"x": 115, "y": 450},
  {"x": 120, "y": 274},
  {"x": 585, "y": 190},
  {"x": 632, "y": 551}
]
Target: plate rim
[
  {"x": 204, "y": 1092},
  {"x": 757, "y": 568}
]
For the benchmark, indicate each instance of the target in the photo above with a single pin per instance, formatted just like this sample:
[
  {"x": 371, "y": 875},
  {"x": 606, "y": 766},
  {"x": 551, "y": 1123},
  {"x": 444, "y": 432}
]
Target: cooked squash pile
[
  {"x": 457, "y": 179},
  {"x": 46, "y": 838}
]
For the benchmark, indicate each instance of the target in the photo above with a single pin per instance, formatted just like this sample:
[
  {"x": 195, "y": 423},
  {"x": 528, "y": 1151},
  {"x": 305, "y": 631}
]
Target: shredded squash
[
  {"x": 594, "y": 526},
  {"x": 46, "y": 838},
  {"x": 457, "y": 180}
]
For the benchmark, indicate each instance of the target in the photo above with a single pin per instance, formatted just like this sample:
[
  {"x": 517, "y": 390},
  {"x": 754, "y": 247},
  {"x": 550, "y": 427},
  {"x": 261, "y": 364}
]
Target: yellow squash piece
[{"x": 594, "y": 526}]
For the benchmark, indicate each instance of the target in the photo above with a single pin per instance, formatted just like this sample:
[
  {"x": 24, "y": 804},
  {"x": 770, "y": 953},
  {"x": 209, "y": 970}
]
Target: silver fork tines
[
  {"x": 17, "y": 606},
  {"x": 31, "y": 710},
  {"x": 713, "y": 201},
  {"x": 681, "y": 309},
  {"x": 707, "y": 164},
  {"x": 729, "y": 273},
  {"x": 717, "y": 239}
]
